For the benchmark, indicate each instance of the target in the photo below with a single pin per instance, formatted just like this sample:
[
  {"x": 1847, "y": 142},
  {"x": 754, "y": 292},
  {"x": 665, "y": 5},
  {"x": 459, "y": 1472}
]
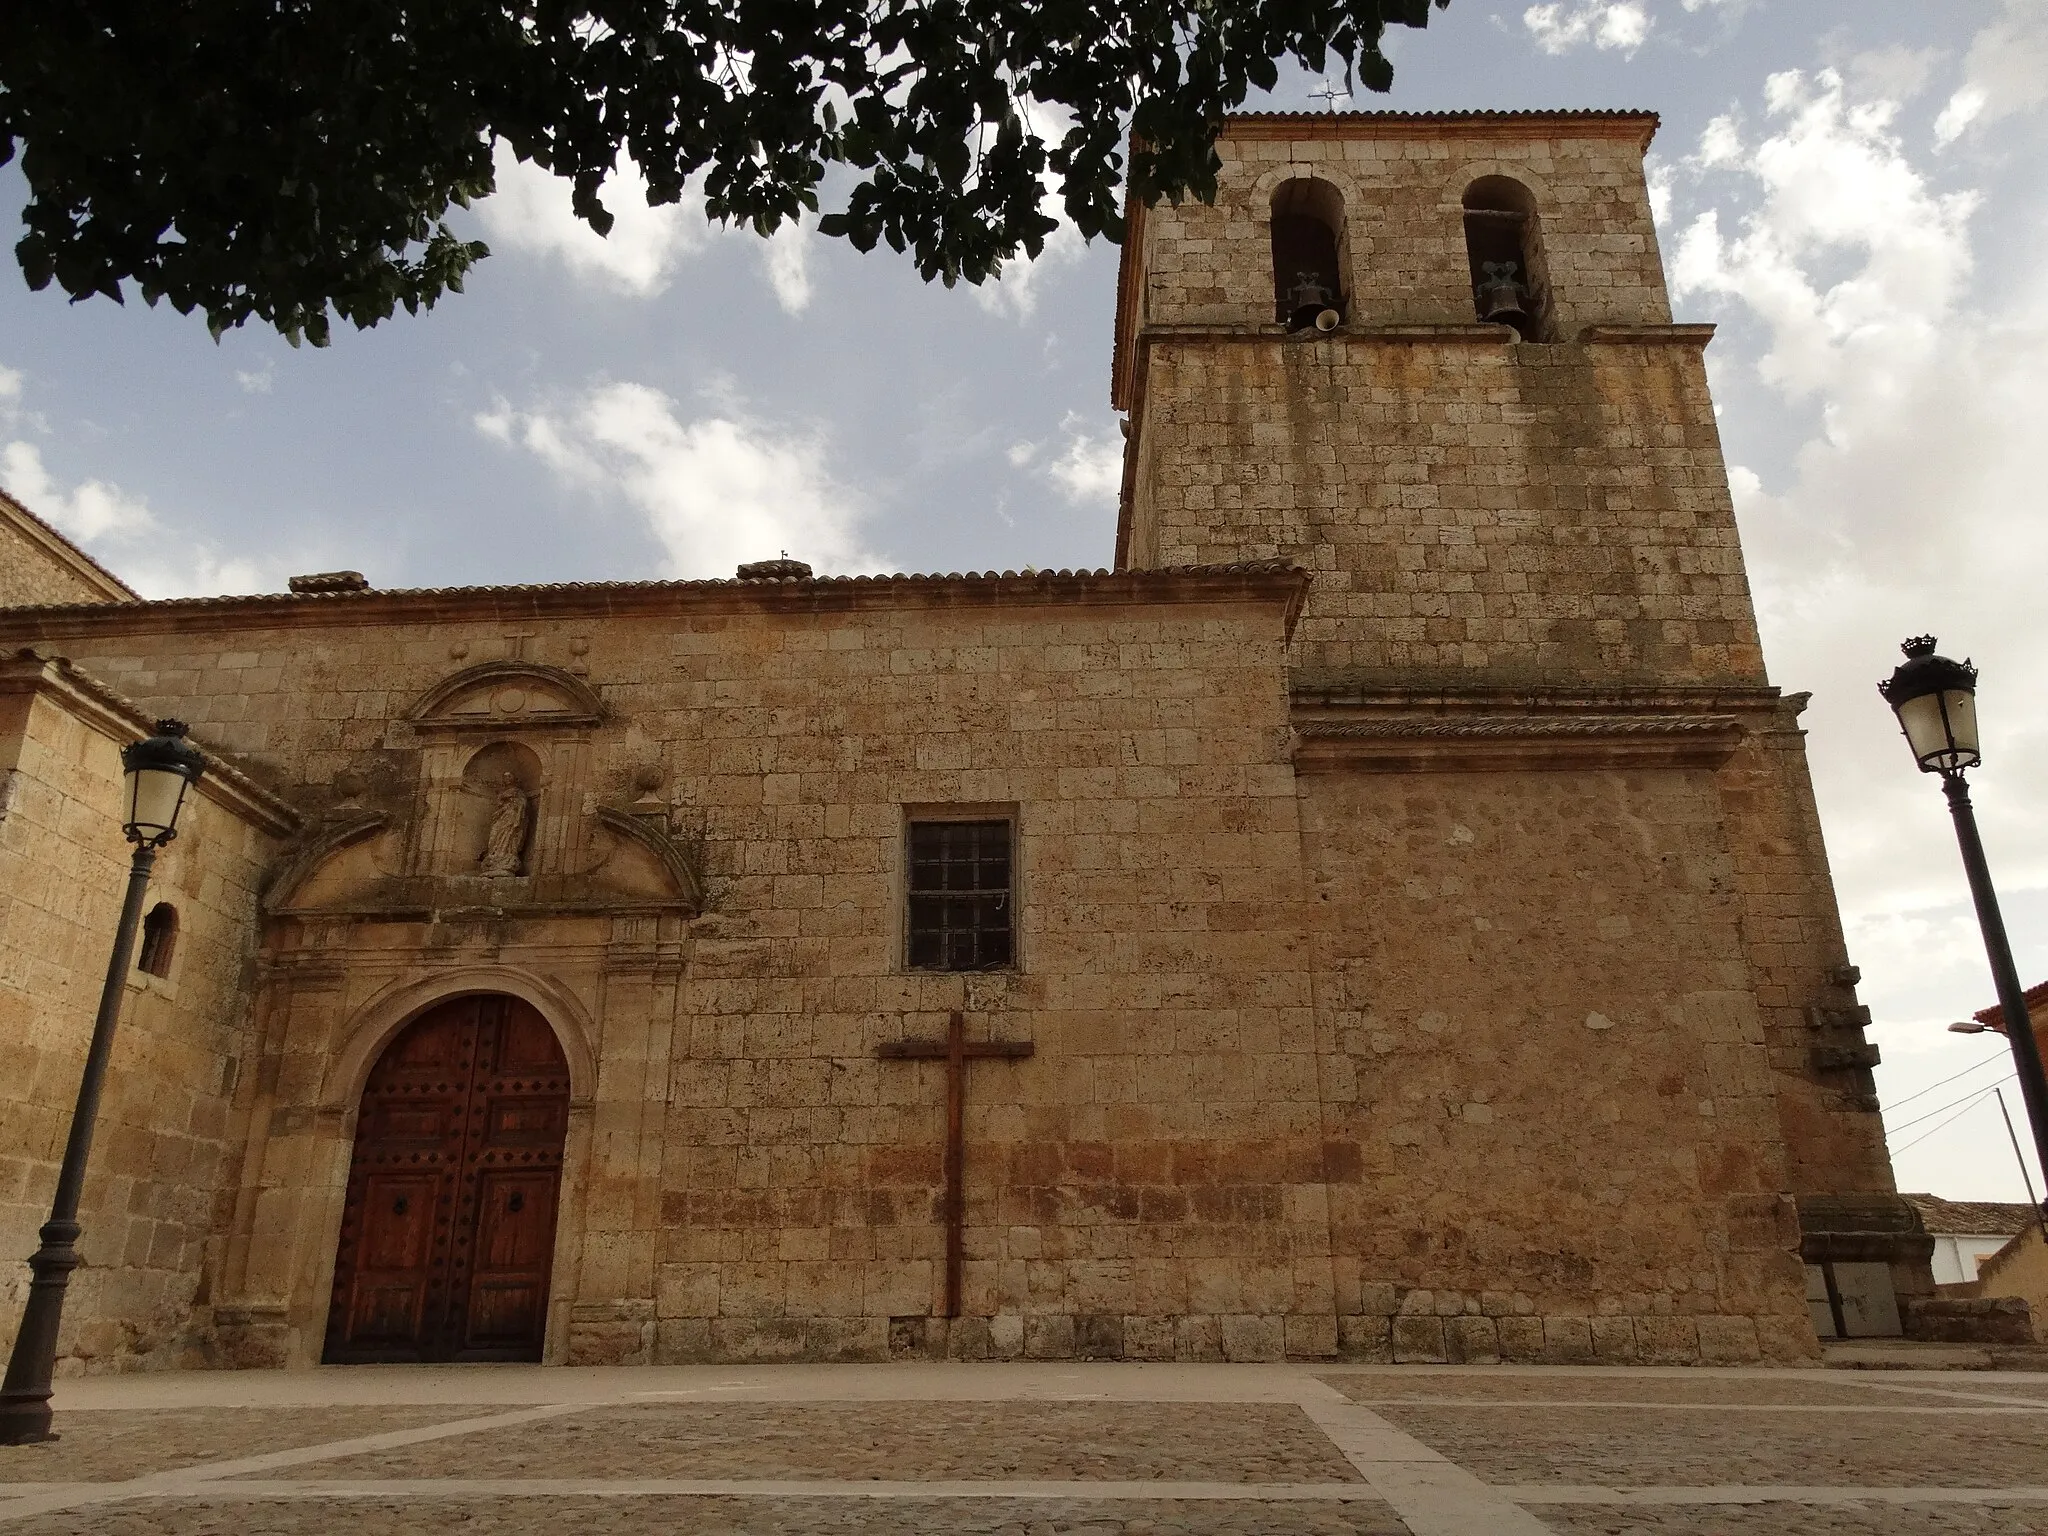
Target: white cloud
[
  {"x": 154, "y": 559},
  {"x": 788, "y": 254},
  {"x": 1835, "y": 185},
  {"x": 531, "y": 212},
  {"x": 1895, "y": 72},
  {"x": 1908, "y": 507},
  {"x": 716, "y": 491},
  {"x": 89, "y": 511},
  {"x": 257, "y": 381},
  {"x": 1091, "y": 468},
  {"x": 1014, "y": 291},
  {"x": 10, "y": 390},
  {"x": 1609, "y": 24},
  {"x": 2006, "y": 72}
]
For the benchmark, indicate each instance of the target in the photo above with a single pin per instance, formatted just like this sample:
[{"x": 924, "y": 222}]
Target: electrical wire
[
  {"x": 1951, "y": 1120},
  {"x": 1922, "y": 1093},
  {"x": 1951, "y": 1104}
]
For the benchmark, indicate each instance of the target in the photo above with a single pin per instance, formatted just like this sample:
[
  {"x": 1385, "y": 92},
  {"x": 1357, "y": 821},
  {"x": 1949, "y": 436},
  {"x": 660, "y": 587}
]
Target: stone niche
[{"x": 505, "y": 755}]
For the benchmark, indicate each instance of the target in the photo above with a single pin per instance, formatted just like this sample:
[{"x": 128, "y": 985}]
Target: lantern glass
[
  {"x": 1941, "y": 728},
  {"x": 160, "y": 771},
  {"x": 155, "y": 796}
]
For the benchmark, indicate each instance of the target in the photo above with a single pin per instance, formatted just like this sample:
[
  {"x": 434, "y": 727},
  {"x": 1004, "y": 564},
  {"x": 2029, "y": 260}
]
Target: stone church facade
[{"x": 1385, "y": 917}]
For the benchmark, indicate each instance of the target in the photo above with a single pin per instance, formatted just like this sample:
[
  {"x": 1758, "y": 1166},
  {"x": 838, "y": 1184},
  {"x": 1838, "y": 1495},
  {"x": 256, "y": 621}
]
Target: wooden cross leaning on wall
[{"x": 956, "y": 1050}]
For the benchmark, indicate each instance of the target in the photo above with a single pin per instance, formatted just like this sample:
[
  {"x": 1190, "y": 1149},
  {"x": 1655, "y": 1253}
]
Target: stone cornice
[
  {"x": 1348, "y": 700},
  {"x": 1255, "y": 580},
  {"x": 1636, "y": 127},
  {"x": 1485, "y": 743},
  {"x": 88, "y": 700}
]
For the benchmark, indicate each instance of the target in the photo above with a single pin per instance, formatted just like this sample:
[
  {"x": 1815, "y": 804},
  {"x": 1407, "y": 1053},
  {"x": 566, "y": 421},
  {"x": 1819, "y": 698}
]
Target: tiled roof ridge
[
  {"x": 1992, "y": 1218},
  {"x": 1065, "y": 577},
  {"x": 15, "y": 505},
  {"x": 2033, "y": 997}
]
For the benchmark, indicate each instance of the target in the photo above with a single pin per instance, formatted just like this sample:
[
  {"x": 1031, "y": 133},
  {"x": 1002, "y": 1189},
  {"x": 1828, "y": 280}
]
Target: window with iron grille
[{"x": 961, "y": 911}]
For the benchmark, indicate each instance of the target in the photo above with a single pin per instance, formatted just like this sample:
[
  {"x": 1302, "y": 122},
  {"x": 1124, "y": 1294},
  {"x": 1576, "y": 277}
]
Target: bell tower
[{"x": 1430, "y": 358}]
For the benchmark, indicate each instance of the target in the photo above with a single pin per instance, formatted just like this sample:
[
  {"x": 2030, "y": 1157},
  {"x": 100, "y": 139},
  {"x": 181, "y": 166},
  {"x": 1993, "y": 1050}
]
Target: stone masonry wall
[
  {"x": 1535, "y": 1012},
  {"x": 164, "y": 1150},
  {"x": 1199, "y": 1162},
  {"x": 1475, "y": 508},
  {"x": 1475, "y": 511}
]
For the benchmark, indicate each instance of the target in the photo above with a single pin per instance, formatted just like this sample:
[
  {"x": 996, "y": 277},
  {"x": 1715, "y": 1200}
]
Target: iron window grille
[{"x": 961, "y": 908}]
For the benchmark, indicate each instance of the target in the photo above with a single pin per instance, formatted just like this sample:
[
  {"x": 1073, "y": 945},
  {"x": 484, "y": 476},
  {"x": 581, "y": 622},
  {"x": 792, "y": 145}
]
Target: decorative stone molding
[
  {"x": 646, "y": 832},
  {"x": 501, "y": 695},
  {"x": 1494, "y": 742},
  {"x": 376, "y": 1022},
  {"x": 298, "y": 866}
]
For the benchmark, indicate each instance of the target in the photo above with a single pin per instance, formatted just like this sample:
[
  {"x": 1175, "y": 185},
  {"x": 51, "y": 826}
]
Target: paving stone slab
[
  {"x": 109, "y": 1444},
  {"x": 604, "y": 1516},
  {"x": 1183, "y": 1442},
  {"x": 1799, "y": 1520},
  {"x": 1634, "y": 1448},
  {"x": 1761, "y": 1391}
]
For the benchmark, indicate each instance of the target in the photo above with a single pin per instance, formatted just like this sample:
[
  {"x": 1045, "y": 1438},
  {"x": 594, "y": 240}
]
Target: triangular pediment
[{"x": 500, "y": 694}]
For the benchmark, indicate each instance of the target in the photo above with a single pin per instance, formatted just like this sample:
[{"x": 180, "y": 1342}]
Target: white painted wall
[{"x": 1956, "y": 1255}]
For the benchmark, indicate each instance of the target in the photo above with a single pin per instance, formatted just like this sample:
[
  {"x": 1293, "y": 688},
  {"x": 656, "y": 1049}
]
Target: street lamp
[
  {"x": 1936, "y": 702},
  {"x": 160, "y": 773}
]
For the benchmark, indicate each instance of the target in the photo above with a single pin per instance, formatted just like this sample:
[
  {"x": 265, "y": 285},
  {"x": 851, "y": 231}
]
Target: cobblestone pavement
[
  {"x": 1753, "y": 1390},
  {"x": 115, "y": 1444},
  {"x": 1020, "y": 1450},
  {"x": 1191, "y": 1442},
  {"x": 739, "y": 1517},
  {"x": 1640, "y": 1447}
]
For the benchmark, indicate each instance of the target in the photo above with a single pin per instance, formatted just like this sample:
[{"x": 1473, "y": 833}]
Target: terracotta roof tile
[
  {"x": 1984, "y": 1218},
  {"x": 2034, "y": 997}
]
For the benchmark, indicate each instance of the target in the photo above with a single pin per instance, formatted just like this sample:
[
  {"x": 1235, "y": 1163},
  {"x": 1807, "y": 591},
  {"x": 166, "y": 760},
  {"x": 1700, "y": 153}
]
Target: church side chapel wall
[{"x": 167, "y": 1142}]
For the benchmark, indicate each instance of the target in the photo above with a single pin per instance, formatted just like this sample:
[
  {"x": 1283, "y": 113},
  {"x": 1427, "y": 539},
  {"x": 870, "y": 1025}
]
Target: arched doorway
[{"x": 448, "y": 1230}]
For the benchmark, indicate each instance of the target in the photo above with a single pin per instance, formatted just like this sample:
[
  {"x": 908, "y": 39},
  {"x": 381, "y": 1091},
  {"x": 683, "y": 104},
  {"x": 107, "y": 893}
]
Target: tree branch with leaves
[{"x": 292, "y": 161}]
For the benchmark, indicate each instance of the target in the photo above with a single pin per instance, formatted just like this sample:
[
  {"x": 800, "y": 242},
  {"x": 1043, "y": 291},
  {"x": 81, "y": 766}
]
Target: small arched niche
[
  {"x": 159, "y": 940},
  {"x": 1504, "y": 246},
  {"x": 501, "y": 786},
  {"x": 1308, "y": 247}
]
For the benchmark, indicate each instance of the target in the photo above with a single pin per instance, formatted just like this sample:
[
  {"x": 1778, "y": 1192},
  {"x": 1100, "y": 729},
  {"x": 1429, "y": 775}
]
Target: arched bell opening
[
  {"x": 1504, "y": 246},
  {"x": 1308, "y": 244},
  {"x": 448, "y": 1225}
]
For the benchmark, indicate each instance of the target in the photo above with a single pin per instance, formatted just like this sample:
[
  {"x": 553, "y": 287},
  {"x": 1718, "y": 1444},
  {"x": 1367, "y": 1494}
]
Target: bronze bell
[
  {"x": 1308, "y": 302},
  {"x": 1500, "y": 293}
]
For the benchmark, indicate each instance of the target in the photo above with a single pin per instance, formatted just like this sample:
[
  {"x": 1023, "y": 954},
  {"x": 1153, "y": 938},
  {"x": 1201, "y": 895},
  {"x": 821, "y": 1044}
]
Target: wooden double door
[{"x": 448, "y": 1233}]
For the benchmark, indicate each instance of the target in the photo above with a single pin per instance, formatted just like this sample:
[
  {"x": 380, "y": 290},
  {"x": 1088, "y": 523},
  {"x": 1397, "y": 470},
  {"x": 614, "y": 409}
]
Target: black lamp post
[
  {"x": 1936, "y": 702},
  {"x": 160, "y": 773}
]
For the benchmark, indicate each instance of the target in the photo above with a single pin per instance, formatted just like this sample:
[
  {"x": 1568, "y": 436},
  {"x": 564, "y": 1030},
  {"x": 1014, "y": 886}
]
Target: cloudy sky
[{"x": 1851, "y": 190}]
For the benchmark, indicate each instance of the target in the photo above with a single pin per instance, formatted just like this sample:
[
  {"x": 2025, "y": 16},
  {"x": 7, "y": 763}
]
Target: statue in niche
[{"x": 506, "y": 839}]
